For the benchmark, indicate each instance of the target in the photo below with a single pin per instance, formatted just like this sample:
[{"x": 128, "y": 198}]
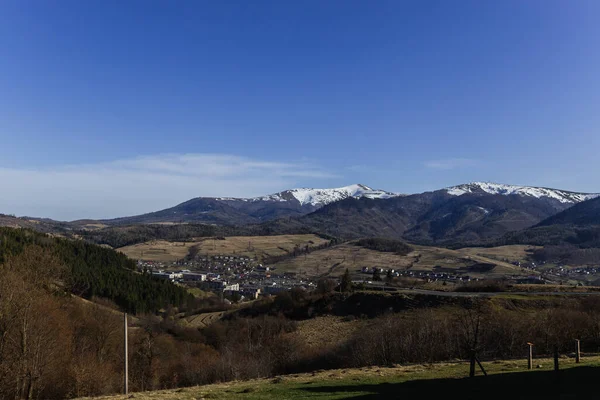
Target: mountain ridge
[
  {"x": 302, "y": 201},
  {"x": 564, "y": 196},
  {"x": 467, "y": 213},
  {"x": 315, "y": 197}
]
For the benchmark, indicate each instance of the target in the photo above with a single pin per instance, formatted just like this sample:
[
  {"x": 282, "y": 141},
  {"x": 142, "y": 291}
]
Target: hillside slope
[
  {"x": 578, "y": 226},
  {"x": 93, "y": 270},
  {"x": 582, "y": 214},
  {"x": 464, "y": 213}
]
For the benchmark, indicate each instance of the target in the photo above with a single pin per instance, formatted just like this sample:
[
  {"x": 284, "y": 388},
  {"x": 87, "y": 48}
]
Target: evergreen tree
[
  {"x": 389, "y": 277},
  {"x": 346, "y": 284},
  {"x": 376, "y": 274}
]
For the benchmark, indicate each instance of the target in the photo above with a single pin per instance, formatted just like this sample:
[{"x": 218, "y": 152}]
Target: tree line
[
  {"x": 385, "y": 245},
  {"x": 120, "y": 236},
  {"x": 299, "y": 251},
  {"x": 97, "y": 271}
]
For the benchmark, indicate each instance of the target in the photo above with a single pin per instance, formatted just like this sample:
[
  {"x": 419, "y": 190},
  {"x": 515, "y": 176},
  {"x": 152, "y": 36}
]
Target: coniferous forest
[{"x": 95, "y": 271}]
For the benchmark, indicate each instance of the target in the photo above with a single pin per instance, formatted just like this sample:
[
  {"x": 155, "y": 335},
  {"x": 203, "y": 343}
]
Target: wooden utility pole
[
  {"x": 577, "y": 351},
  {"x": 530, "y": 356},
  {"x": 126, "y": 371}
]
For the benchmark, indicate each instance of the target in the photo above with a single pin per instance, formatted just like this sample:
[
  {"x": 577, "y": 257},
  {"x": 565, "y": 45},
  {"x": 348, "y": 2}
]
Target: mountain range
[
  {"x": 466, "y": 213},
  {"x": 303, "y": 201},
  {"x": 469, "y": 213},
  {"x": 240, "y": 211}
]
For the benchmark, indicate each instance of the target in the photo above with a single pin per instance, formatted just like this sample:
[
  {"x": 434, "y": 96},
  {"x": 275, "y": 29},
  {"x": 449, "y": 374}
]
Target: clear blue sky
[{"x": 129, "y": 106}]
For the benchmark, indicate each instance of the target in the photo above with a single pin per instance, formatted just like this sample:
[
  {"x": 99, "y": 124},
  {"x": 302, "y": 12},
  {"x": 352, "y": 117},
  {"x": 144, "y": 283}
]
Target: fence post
[
  {"x": 556, "y": 358},
  {"x": 126, "y": 357},
  {"x": 530, "y": 356},
  {"x": 577, "y": 351}
]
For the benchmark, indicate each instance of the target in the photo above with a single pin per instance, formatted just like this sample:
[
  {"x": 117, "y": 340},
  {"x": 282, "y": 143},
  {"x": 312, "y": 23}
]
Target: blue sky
[{"x": 111, "y": 108}]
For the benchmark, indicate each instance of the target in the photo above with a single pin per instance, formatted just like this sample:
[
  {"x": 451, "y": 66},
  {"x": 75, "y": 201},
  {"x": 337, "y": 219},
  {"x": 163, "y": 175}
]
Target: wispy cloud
[
  {"x": 142, "y": 184},
  {"x": 450, "y": 163}
]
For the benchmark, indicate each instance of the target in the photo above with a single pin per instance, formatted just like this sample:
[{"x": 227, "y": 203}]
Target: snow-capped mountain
[
  {"x": 467, "y": 212},
  {"x": 321, "y": 197},
  {"x": 459, "y": 214},
  {"x": 239, "y": 211},
  {"x": 562, "y": 196}
]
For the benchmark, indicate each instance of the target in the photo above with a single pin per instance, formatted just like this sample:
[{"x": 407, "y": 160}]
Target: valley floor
[{"x": 506, "y": 379}]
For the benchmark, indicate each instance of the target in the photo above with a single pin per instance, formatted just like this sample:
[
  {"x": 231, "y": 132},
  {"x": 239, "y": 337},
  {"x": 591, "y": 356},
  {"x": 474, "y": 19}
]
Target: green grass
[{"x": 506, "y": 380}]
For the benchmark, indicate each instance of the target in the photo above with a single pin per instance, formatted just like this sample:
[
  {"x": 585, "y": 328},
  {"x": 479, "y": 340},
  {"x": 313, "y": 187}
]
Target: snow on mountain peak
[
  {"x": 495, "y": 188},
  {"x": 320, "y": 197}
]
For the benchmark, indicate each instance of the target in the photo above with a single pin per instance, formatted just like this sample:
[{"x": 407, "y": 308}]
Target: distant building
[
  {"x": 168, "y": 275},
  {"x": 250, "y": 292},
  {"x": 220, "y": 286},
  {"x": 192, "y": 276}
]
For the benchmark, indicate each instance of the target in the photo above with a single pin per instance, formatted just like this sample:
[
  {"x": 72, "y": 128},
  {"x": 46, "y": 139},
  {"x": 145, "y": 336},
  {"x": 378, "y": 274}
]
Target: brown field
[
  {"x": 503, "y": 253},
  {"x": 334, "y": 261},
  {"x": 327, "y": 331},
  {"x": 202, "y": 320},
  {"x": 257, "y": 247}
]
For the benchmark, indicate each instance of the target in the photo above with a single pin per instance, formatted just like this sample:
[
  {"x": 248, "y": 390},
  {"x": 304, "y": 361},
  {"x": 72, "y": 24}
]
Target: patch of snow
[
  {"x": 495, "y": 188},
  {"x": 317, "y": 197},
  {"x": 321, "y": 197}
]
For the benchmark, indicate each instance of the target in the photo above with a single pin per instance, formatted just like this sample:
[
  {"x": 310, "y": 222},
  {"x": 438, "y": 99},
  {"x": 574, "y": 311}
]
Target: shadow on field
[{"x": 573, "y": 383}]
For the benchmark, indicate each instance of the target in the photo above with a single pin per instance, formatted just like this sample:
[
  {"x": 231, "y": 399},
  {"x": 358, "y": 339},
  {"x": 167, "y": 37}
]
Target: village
[
  {"x": 236, "y": 276},
  {"x": 245, "y": 278}
]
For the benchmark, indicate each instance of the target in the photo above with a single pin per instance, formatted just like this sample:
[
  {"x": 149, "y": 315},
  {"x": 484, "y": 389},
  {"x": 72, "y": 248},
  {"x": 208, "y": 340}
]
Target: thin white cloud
[
  {"x": 450, "y": 163},
  {"x": 143, "y": 184}
]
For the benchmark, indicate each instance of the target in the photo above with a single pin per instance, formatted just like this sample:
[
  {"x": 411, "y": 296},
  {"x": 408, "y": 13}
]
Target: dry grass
[
  {"x": 157, "y": 250},
  {"x": 334, "y": 261},
  {"x": 510, "y": 253},
  {"x": 328, "y": 331},
  {"x": 202, "y": 320},
  {"x": 257, "y": 247},
  {"x": 454, "y": 259}
]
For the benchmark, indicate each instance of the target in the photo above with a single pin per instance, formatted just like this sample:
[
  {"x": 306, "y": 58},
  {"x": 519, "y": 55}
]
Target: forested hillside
[{"x": 93, "y": 270}]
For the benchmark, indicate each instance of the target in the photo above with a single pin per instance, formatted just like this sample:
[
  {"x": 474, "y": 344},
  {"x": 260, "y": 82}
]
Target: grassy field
[
  {"x": 502, "y": 253},
  {"x": 256, "y": 247},
  {"x": 334, "y": 261},
  {"x": 505, "y": 380}
]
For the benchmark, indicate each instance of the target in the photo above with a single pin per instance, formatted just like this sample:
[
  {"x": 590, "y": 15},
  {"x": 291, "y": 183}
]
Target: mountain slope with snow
[
  {"x": 320, "y": 197},
  {"x": 460, "y": 214},
  {"x": 466, "y": 213},
  {"x": 562, "y": 196},
  {"x": 239, "y": 211}
]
